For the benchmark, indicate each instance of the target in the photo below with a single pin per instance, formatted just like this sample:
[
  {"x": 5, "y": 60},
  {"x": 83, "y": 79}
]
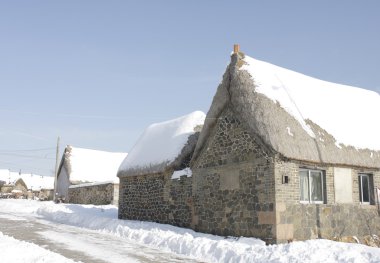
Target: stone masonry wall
[
  {"x": 297, "y": 221},
  {"x": 237, "y": 189},
  {"x": 101, "y": 194},
  {"x": 157, "y": 198},
  {"x": 233, "y": 184}
]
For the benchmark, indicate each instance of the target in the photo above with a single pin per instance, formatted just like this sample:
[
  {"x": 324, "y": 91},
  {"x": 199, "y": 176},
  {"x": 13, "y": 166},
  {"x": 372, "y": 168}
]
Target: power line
[
  {"x": 27, "y": 156},
  {"x": 28, "y": 150}
]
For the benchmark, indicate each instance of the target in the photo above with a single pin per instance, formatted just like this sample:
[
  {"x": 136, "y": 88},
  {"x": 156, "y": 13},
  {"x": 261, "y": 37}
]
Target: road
[{"x": 80, "y": 244}]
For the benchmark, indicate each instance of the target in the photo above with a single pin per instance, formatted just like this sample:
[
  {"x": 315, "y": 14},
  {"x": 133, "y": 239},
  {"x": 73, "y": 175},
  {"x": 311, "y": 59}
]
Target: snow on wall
[
  {"x": 177, "y": 174},
  {"x": 90, "y": 184},
  {"x": 348, "y": 113},
  {"x": 94, "y": 166},
  {"x": 162, "y": 142}
]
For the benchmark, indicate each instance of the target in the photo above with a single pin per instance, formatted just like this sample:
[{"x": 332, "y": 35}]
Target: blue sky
[{"x": 96, "y": 73}]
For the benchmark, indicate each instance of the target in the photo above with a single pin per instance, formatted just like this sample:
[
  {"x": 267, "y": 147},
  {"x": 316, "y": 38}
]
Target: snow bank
[
  {"x": 348, "y": 113},
  {"x": 204, "y": 247},
  {"x": 16, "y": 251},
  {"x": 94, "y": 166},
  {"x": 162, "y": 142}
]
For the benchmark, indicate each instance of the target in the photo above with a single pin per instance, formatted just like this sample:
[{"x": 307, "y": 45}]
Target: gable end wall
[{"x": 233, "y": 183}]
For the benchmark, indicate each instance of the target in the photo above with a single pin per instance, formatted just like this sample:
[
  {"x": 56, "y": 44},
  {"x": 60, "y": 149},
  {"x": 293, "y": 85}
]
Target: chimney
[{"x": 236, "y": 48}]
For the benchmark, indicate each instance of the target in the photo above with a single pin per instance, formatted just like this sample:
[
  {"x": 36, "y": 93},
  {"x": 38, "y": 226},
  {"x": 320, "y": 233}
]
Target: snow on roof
[
  {"x": 348, "y": 113},
  {"x": 162, "y": 142},
  {"x": 88, "y": 165},
  {"x": 300, "y": 117},
  {"x": 37, "y": 182},
  {"x": 33, "y": 181},
  {"x": 4, "y": 174}
]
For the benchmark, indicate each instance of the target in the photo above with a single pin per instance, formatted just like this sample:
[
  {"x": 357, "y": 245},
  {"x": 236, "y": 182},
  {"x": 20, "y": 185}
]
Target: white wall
[
  {"x": 343, "y": 185},
  {"x": 63, "y": 184}
]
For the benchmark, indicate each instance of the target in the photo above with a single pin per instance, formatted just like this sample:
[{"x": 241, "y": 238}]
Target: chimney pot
[{"x": 236, "y": 48}]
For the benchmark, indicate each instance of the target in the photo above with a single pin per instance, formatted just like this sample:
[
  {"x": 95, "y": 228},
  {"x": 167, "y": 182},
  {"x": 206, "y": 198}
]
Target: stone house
[
  {"x": 88, "y": 176},
  {"x": 281, "y": 156},
  {"x": 150, "y": 188}
]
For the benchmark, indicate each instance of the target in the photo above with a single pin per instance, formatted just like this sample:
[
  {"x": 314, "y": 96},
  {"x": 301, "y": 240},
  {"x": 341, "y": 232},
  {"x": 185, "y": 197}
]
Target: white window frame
[
  {"x": 361, "y": 175},
  {"x": 309, "y": 187}
]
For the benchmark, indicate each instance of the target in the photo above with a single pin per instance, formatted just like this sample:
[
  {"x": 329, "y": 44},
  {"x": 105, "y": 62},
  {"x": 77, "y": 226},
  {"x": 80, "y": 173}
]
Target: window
[
  {"x": 311, "y": 186},
  {"x": 364, "y": 188}
]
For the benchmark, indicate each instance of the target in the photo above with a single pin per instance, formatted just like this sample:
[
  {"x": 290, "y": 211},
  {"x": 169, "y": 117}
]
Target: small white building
[{"x": 82, "y": 172}]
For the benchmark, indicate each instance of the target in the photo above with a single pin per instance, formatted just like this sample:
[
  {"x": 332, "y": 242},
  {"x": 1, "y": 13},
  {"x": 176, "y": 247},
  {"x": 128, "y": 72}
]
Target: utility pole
[{"x": 56, "y": 172}]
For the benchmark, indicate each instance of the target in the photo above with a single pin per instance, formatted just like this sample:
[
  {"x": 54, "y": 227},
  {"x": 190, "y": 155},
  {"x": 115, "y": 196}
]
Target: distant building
[
  {"x": 33, "y": 183},
  {"x": 88, "y": 176}
]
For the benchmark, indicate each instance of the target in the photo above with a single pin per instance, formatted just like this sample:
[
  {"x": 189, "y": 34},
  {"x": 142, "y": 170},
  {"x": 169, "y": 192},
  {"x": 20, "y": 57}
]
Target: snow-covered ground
[
  {"x": 13, "y": 250},
  {"x": 202, "y": 247}
]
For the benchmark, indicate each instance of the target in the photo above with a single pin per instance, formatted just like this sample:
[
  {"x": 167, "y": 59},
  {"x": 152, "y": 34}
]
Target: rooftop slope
[
  {"x": 162, "y": 144},
  {"x": 348, "y": 113},
  {"x": 86, "y": 165},
  {"x": 298, "y": 116}
]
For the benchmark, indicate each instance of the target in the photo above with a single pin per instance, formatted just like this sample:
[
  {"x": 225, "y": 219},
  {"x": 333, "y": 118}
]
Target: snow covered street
[
  {"x": 79, "y": 244},
  {"x": 87, "y": 233}
]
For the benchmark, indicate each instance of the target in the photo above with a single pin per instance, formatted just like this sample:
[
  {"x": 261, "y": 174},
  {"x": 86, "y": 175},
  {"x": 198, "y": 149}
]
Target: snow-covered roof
[
  {"x": 86, "y": 165},
  {"x": 37, "y": 182},
  {"x": 33, "y": 182},
  {"x": 161, "y": 143},
  {"x": 300, "y": 117},
  {"x": 348, "y": 113}
]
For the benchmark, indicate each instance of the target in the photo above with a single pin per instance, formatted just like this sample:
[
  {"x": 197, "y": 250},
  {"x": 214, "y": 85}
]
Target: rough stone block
[
  {"x": 285, "y": 231},
  {"x": 267, "y": 218}
]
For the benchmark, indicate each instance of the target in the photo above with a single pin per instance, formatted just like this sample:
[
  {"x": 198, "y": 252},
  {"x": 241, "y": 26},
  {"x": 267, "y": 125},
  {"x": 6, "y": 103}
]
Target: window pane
[
  {"x": 365, "y": 188},
  {"x": 316, "y": 186},
  {"x": 304, "y": 186}
]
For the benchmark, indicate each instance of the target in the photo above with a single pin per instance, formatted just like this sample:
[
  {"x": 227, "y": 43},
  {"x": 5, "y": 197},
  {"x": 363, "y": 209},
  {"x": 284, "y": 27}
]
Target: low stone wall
[
  {"x": 100, "y": 194},
  {"x": 156, "y": 198},
  {"x": 310, "y": 221}
]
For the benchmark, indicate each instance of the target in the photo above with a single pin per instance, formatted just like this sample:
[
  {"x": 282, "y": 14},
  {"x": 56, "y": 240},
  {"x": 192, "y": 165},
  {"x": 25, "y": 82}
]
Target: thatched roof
[
  {"x": 162, "y": 146},
  {"x": 87, "y": 165},
  {"x": 32, "y": 181},
  {"x": 267, "y": 100}
]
